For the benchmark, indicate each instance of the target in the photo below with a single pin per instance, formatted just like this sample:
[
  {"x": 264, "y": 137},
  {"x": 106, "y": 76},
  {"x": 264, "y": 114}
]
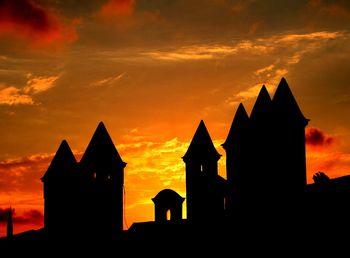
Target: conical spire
[
  {"x": 62, "y": 163},
  {"x": 262, "y": 106},
  {"x": 101, "y": 151},
  {"x": 10, "y": 224},
  {"x": 285, "y": 105},
  {"x": 201, "y": 147},
  {"x": 239, "y": 124}
]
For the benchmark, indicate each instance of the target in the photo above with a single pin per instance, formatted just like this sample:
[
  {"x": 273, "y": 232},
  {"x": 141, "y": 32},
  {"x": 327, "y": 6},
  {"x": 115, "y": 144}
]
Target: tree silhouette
[{"x": 320, "y": 178}]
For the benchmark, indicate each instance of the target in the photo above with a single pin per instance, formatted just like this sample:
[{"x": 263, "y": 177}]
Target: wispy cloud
[
  {"x": 14, "y": 96},
  {"x": 259, "y": 46},
  {"x": 110, "y": 81},
  {"x": 293, "y": 47},
  {"x": 294, "y": 38},
  {"x": 39, "y": 84},
  {"x": 200, "y": 52},
  {"x": 252, "y": 92},
  {"x": 265, "y": 69},
  {"x": 11, "y": 95}
]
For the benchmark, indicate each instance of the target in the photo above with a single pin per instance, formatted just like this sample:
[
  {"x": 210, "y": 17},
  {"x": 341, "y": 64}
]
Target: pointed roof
[
  {"x": 101, "y": 151},
  {"x": 62, "y": 163},
  {"x": 239, "y": 124},
  {"x": 285, "y": 105},
  {"x": 262, "y": 106},
  {"x": 201, "y": 146}
]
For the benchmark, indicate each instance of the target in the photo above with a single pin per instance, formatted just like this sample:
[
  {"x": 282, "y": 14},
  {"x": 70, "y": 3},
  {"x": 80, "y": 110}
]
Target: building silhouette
[
  {"x": 265, "y": 189},
  {"x": 168, "y": 206},
  {"x": 61, "y": 191},
  {"x": 85, "y": 198},
  {"x": 205, "y": 189},
  {"x": 265, "y": 153}
]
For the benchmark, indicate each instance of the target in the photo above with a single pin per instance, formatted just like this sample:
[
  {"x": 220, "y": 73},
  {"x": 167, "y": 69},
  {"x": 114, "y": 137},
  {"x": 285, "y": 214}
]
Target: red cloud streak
[{"x": 39, "y": 25}]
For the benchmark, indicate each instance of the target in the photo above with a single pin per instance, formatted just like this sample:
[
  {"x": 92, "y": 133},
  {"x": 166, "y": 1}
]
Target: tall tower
[
  {"x": 237, "y": 147},
  {"x": 102, "y": 171},
  {"x": 9, "y": 224},
  {"x": 204, "y": 187},
  {"x": 60, "y": 191},
  {"x": 263, "y": 180},
  {"x": 289, "y": 140}
]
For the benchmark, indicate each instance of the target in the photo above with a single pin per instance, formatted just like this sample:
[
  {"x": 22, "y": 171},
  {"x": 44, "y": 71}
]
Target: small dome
[{"x": 166, "y": 196}]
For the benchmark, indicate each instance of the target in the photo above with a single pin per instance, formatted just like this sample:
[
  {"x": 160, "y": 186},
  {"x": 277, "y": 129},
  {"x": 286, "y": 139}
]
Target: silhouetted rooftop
[
  {"x": 201, "y": 147},
  {"x": 167, "y": 195},
  {"x": 101, "y": 150},
  {"x": 262, "y": 106},
  {"x": 240, "y": 123},
  {"x": 63, "y": 162},
  {"x": 284, "y": 104}
]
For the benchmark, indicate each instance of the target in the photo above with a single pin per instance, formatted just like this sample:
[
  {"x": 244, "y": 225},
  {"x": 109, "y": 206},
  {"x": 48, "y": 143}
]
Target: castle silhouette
[{"x": 265, "y": 187}]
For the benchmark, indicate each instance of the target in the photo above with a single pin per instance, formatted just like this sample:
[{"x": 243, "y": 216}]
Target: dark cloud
[
  {"x": 3, "y": 215},
  {"x": 28, "y": 20},
  {"x": 316, "y": 137},
  {"x": 28, "y": 217}
]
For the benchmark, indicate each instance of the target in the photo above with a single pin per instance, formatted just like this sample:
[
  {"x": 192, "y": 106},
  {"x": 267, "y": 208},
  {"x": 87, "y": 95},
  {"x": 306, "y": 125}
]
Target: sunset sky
[{"x": 151, "y": 70}]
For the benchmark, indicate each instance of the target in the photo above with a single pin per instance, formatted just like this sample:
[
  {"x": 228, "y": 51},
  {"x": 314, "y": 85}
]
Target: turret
[
  {"x": 102, "y": 170},
  {"x": 59, "y": 189},
  {"x": 289, "y": 139},
  {"x": 237, "y": 147},
  {"x": 204, "y": 188}
]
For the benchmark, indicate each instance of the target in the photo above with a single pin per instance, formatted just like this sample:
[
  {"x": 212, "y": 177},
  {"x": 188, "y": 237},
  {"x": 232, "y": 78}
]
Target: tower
[
  {"x": 9, "y": 224},
  {"x": 204, "y": 187},
  {"x": 289, "y": 140},
  {"x": 60, "y": 187},
  {"x": 237, "y": 147},
  {"x": 263, "y": 181},
  {"x": 102, "y": 172}
]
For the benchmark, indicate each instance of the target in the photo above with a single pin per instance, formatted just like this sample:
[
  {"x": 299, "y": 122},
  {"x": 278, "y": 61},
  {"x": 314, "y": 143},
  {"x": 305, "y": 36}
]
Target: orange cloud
[
  {"x": 39, "y": 84},
  {"x": 11, "y": 95},
  {"x": 117, "y": 8},
  {"x": 333, "y": 162},
  {"x": 109, "y": 82},
  {"x": 37, "y": 24}
]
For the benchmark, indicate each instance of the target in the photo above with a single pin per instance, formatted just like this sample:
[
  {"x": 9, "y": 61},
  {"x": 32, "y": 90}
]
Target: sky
[{"x": 151, "y": 70}]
